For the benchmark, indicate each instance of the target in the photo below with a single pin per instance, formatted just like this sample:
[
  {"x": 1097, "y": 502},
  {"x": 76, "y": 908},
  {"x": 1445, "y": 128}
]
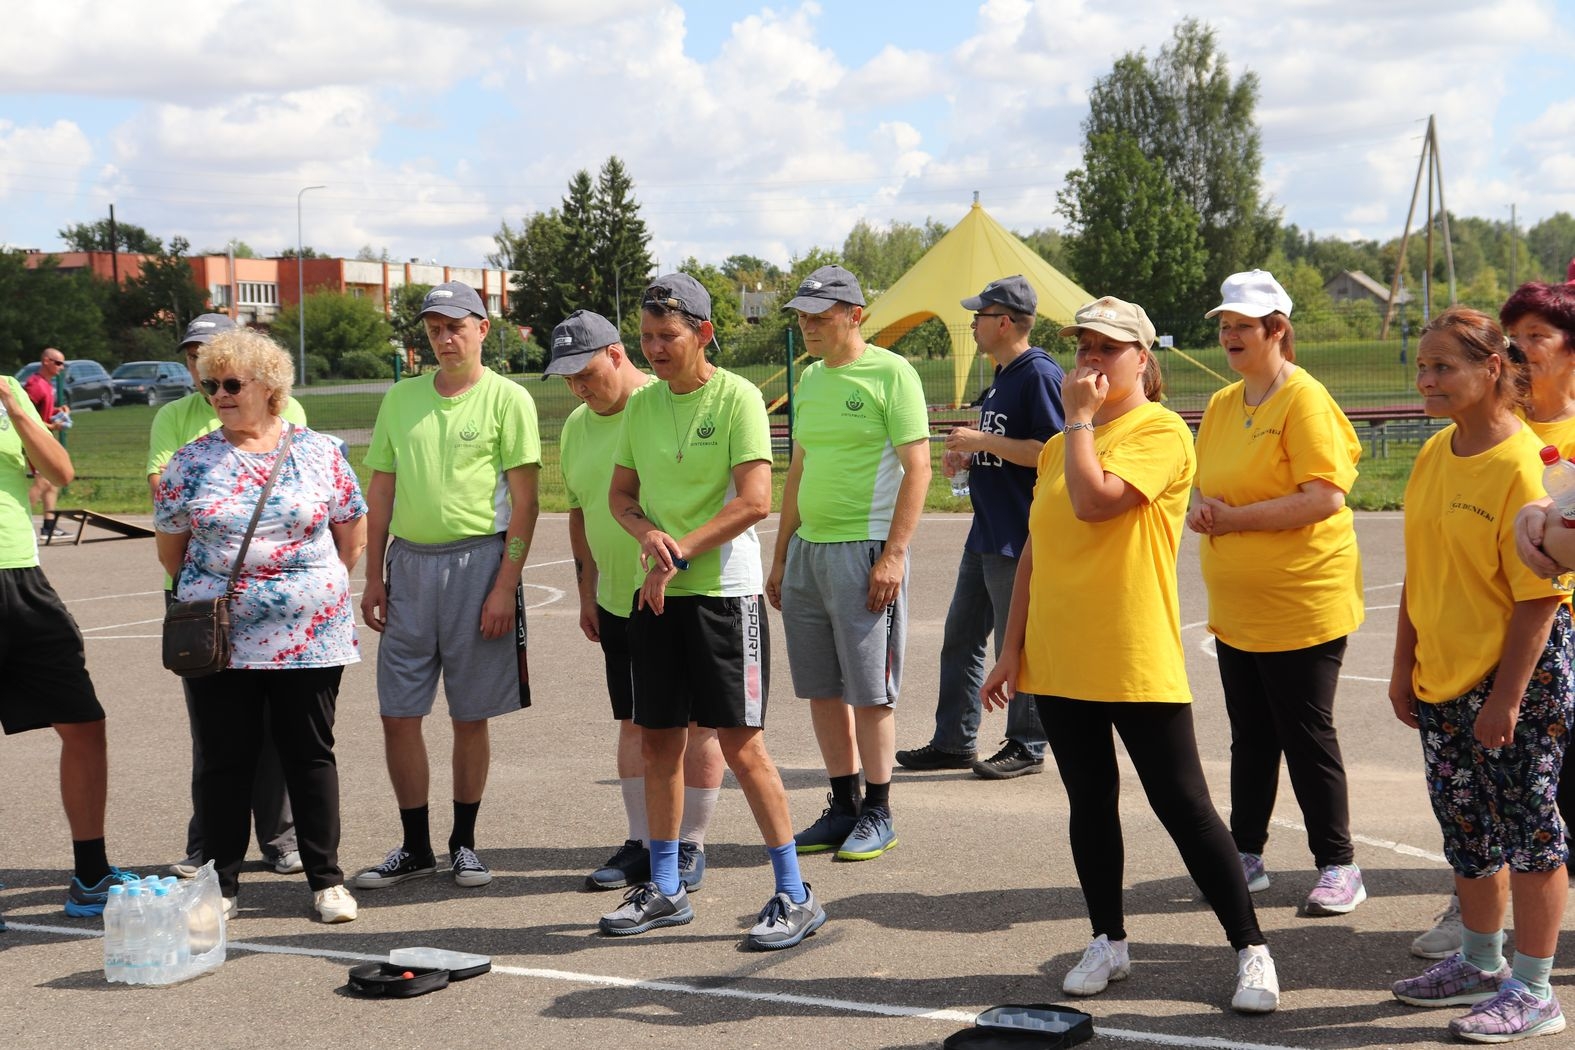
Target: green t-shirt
[
  {"x": 450, "y": 454},
  {"x": 585, "y": 450},
  {"x": 684, "y": 447},
  {"x": 181, "y": 422},
  {"x": 849, "y": 422},
  {"x": 18, "y": 545}
]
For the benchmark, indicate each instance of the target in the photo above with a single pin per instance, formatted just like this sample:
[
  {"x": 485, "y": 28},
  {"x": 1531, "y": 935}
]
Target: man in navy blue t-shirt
[{"x": 1020, "y": 410}]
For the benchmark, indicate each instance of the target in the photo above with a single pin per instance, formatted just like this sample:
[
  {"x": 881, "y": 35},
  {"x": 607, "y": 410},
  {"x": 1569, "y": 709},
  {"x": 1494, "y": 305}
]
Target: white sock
[
  {"x": 699, "y": 804},
  {"x": 634, "y": 808}
]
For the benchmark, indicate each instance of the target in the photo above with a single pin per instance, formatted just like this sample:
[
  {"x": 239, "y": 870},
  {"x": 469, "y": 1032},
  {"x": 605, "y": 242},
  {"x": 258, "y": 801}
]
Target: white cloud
[{"x": 41, "y": 159}]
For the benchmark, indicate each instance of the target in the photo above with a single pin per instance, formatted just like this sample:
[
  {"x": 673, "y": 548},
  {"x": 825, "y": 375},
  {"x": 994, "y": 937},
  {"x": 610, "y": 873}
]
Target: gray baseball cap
[
  {"x": 453, "y": 299},
  {"x": 1014, "y": 293},
  {"x": 679, "y": 291},
  {"x": 204, "y": 327},
  {"x": 823, "y": 288},
  {"x": 576, "y": 339}
]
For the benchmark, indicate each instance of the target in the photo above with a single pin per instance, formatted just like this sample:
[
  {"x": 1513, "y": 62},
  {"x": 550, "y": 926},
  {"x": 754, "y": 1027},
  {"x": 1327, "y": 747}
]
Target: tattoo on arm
[
  {"x": 579, "y": 571},
  {"x": 516, "y": 549},
  {"x": 634, "y": 512}
]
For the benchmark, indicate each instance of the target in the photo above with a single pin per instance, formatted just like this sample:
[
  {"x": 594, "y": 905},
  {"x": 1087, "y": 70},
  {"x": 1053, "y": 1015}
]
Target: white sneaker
[
  {"x": 334, "y": 904},
  {"x": 289, "y": 863},
  {"x": 1257, "y": 985},
  {"x": 230, "y": 907},
  {"x": 1444, "y": 939},
  {"x": 1103, "y": 961}
]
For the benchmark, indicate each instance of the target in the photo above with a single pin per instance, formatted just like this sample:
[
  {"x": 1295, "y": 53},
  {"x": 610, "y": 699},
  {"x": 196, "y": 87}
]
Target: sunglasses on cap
[
  {"x": 231, "y": 386},
  {"x": 668, "y": 302}
]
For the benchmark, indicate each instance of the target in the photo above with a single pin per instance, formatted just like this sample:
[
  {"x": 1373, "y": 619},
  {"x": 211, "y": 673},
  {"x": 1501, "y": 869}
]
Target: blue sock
[
  {"x": 1534, "y": 973},
  {"x": 784, "y": 865},
  {"x": 1485, "y": 951},
  {"x": 664, "y": 865}
]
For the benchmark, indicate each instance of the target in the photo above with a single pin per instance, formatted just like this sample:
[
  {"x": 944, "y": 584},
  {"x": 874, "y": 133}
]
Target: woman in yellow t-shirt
[
  {"x": 1482, "y": 670},
  {"x": 1095, "y": 634},
  {"x": 1276, "y": 457}
]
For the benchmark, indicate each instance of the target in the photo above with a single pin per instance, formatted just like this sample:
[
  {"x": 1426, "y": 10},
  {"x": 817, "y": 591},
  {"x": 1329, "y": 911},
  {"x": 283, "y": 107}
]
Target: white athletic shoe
[
  {"x": 334, "y": 904},
  {"x": 1257, "y": 985},
  {"x": 1103, "y": 961}
]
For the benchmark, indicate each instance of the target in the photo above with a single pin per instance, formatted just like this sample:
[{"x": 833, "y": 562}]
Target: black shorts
[
  {"x": 42, "y": 665},
  {"x": 704, "y": 660},
  {"x": 615, "y": 654}
]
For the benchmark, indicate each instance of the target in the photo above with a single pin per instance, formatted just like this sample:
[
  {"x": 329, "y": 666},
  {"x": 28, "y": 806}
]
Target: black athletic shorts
[
  {"x": 615, "y": 654},
  {"x": 43, "y": 671},
  {"x": 704, "y": 660}
]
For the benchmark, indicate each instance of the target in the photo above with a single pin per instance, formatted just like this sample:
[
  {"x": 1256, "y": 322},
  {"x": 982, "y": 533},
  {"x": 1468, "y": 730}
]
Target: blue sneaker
[
  {"x": 691, "y": 864},
  {"x": 86, "y": 902},
  {"x": 836, "y": 823},
  {"x": 870, "y": 837}
]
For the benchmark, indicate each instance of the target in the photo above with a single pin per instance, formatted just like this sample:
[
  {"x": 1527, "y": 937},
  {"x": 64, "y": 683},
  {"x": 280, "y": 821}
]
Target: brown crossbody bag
[{"x": 197, "y": 634}]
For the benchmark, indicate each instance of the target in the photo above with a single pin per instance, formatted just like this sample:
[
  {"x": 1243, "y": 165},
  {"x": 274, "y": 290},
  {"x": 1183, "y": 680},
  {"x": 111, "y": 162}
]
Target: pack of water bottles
[{"x": 164, "y": 930}]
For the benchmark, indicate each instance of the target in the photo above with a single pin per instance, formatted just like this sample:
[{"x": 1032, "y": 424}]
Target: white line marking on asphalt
[
  {"x": 128, "y": 623},
  {"x": 107, "y": 597},
  {"x": 635, "y": 984}
]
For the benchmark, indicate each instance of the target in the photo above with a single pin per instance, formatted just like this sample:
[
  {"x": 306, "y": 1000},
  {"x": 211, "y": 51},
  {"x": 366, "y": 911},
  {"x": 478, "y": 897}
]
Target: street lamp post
[{"x": 300, "y": 277}]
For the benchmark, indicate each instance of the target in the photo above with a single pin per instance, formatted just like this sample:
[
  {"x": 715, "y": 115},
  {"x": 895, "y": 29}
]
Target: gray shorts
[
  {"x": 836, "y": 647},
  {"x": 435, "y": 594}
]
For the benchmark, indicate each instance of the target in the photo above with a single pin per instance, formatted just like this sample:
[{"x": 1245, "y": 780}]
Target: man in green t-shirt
[
  {"x": 588, "y": 353},
  {"x": 41, "y": 657},
  {"x": 854, "y": 492},
  {"x": 179, "y": 423},
  {"x": 455, "y": 456}
]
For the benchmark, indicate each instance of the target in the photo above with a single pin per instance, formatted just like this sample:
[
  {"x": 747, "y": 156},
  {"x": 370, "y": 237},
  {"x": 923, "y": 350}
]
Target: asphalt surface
[{"x": 977, "y": 906}]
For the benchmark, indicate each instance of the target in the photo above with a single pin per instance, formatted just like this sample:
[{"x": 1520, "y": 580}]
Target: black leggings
[
  {"x": 1160, "y": 741},
  {"x": 227, "y": 711},
  {"x": 1285, "y": 702}
]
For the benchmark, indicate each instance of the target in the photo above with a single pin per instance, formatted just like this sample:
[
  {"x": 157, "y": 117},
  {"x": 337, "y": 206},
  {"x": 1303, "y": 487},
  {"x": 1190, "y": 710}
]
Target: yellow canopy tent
[{"x": 976, "y": 251}]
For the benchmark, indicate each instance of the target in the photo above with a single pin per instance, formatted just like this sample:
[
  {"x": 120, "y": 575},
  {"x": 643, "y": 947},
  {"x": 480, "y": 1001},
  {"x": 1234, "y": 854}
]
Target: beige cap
[{"x": 1116, "y": 318}]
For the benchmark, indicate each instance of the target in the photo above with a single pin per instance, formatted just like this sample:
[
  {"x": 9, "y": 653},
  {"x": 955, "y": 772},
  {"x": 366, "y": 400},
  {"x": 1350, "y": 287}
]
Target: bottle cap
[
  {"x": 161, "y": 891},
  {"x": 117, "y": 890},
  {"x": 1550, "y": 455}
]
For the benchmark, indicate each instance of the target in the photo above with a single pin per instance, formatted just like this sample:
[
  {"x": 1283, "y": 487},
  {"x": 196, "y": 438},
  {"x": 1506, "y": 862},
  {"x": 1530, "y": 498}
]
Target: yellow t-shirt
[
  {"x": 1560, "y": 435},
  {"x": 1104, "y": 619},
  {"x": 1462, "y": 575},
  {"x": 1289, "y": 588}
]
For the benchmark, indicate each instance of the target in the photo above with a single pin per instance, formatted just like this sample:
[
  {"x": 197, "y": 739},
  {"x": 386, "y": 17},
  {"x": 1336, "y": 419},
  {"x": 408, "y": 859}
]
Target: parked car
[
  {"x": 86, "y": 383},
  {"x": 150, "y": 382}
]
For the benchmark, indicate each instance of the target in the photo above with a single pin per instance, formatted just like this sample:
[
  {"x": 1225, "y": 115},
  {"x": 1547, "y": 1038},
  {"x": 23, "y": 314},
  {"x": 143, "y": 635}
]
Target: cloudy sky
[{"x": 749, "y": 129}]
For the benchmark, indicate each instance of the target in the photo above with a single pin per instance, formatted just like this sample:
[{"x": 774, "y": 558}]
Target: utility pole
[{"x": 1514, "y": 252}]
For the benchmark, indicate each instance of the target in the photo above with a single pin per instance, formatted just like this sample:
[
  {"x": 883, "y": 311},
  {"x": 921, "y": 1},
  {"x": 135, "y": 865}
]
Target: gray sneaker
[
  {"x": 1446, "y": 936},
  {"x": 645, "y": 908},
  {"x": 782, "y": 923}
]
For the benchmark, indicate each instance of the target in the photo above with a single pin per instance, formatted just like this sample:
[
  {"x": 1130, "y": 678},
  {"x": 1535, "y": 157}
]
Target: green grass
[{"x": 109, "y": 449}]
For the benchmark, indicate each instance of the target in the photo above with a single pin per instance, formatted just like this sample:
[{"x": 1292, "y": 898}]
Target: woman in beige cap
[{"x": 1095, "y": 634}]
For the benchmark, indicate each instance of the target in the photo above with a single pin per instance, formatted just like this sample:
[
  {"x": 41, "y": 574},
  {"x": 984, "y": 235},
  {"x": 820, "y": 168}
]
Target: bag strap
[{"x": 273, "y": 475}]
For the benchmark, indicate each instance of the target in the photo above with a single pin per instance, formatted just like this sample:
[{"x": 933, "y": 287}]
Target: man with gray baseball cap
[
  {"x": 176, "y": 424},
  {"x": 1019, "y": 412},
  {"x": 589, "y": 354},
  {"x": 452, "y": 507},
  {"x": 855, "y": 490}
]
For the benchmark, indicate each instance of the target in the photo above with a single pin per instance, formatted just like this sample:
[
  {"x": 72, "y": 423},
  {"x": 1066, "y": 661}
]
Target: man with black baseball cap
[
  {"x": 589, "y": 354},
  {"x": 1019, "y": 412},
  {"x": 459, "y": 449},
  {"x": 176, "y": 424},
  {"x": 855, "y": 490}
]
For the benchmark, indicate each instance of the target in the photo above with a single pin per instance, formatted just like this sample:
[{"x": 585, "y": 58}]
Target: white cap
[{"x": 1255, "y": 293}]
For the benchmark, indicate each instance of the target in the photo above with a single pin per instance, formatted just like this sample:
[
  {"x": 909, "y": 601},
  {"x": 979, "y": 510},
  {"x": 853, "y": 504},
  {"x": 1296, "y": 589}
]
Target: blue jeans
[{"x": 980, "y": 603}]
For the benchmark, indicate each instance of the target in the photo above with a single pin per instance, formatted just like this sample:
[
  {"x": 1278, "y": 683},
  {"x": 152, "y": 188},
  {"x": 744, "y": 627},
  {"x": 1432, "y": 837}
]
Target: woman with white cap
[
  {"x": 1094, "y": 634},
  {"x": 1276, "y": 457}
]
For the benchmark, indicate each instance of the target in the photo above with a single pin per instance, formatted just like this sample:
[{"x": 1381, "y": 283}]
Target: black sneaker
[
  {"x": 645, "y": 908},
  {"x": 931, "y": 757},
  {"x": 830, "y": 831},
  {"x": 396, "y": 868},
  {"x": 691, "y": 864},
  {"x": 1013, "y": 760},
  {"x": 467, "y": 868},
  {"x": 630, "y": 866}
]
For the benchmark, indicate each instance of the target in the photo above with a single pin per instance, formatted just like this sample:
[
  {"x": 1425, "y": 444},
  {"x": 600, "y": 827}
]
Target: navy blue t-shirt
[{"x": 1024, "y": 401}]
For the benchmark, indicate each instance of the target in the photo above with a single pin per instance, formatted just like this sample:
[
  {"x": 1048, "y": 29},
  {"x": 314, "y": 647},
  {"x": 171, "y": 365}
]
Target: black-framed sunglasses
[
  {"x": 231, "y": 386},
  {"x": 666, "y": 302},
  {"x": 980, "y": 317}
]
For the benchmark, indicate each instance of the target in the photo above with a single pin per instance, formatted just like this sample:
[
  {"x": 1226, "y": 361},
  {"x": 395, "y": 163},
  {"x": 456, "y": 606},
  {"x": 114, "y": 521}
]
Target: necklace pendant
[
  {"x": 680, "y": 457},
  {"x": 1247, "y": 423}
]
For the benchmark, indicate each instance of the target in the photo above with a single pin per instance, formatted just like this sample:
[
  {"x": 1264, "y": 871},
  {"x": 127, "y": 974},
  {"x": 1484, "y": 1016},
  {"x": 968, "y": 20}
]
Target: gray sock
[
  {"x": 699, "y": 804},
  {"x": 634, "y": 808}
]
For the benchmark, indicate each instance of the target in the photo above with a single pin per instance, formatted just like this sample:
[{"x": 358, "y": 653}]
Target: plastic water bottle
[
  {"x": 170, "y": 947},
  {"x": 136, "y": 935},
  {"x": 1558, "y": 478},
  {"x": 960, "y": 484},
  {"x": 115, "y": 934}
]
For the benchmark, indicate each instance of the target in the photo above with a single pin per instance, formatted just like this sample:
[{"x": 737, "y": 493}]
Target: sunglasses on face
[{"x": 231, "y": 386}]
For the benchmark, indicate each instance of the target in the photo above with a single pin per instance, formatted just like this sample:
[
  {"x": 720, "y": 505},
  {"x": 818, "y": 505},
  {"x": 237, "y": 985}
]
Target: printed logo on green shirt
[
  {"x": 706, "y": 428},
  {"x": 5, "y": 421},
  {"x": 470, "y": 433},
  {"x": 854, "y": 403}
]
